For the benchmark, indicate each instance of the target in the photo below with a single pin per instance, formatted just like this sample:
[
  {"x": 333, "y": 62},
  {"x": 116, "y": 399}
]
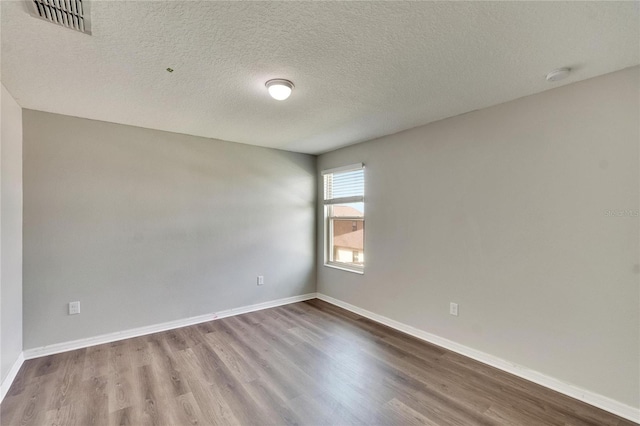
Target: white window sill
[{"x": 344, "y": 268}]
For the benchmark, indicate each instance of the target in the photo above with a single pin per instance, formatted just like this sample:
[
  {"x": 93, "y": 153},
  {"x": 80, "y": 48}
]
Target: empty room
[{"x": 319, "y": 213}]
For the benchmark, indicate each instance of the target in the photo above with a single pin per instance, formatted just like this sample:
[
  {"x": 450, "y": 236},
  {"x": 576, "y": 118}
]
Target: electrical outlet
[
  {"x": 453, "y": 309},
  {"x": 260, "y": 279},
  {"x": 74, "y": 308}
]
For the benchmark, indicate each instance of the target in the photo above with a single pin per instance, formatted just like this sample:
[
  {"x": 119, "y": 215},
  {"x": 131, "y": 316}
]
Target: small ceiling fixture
[
  {"x": 558, "y": 74},
  {"x": 279, "y": 88}
]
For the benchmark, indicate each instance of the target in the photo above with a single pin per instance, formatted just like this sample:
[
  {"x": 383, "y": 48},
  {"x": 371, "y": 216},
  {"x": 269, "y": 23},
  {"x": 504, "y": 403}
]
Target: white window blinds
[{"x": 344, "y": 185}]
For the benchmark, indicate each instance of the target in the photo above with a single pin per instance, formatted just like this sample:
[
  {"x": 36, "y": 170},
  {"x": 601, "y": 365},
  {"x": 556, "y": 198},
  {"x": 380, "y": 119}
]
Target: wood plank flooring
[{"x": 308, "y": 363}]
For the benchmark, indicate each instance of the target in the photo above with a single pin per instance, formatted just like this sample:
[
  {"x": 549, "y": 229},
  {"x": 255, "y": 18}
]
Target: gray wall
[
  {"x": 10, "y": 232},
  {"x": 504, "y": 211},
  {"x": 145, "y": 226}
]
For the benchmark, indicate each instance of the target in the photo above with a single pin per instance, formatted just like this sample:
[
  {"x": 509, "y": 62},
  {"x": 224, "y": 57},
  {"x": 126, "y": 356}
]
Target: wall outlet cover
[
  {"x": 453, "y": 309},
  {"x": 74, "y": 308}
]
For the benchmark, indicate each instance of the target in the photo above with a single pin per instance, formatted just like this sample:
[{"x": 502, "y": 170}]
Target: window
[{"x": 344, "y": 217}]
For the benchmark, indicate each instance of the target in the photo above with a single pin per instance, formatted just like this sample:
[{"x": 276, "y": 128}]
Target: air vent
[{"x": 73, "y": 14}]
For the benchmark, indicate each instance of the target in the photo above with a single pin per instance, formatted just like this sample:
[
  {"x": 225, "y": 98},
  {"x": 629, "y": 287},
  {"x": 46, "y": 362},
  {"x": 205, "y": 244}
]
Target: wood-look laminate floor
[{"x": 307, "y": 363}]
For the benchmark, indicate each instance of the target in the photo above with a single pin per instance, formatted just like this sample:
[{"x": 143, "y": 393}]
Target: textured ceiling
[{"x": 361, "y": 69}]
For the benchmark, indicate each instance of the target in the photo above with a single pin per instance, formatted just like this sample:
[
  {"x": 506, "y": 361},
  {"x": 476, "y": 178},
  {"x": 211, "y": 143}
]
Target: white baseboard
[
  {"x": 141, "y": 331},
  {"x": 592, "y": 398},
  {"x": 11, "y": 376}
]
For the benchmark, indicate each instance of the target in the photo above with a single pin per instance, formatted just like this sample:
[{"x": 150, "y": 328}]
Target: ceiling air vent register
[{"x": 73, "y": 14}]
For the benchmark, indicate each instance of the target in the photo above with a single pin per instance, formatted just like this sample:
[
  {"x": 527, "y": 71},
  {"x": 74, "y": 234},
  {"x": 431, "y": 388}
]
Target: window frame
[{"x": 329, "y": 219}]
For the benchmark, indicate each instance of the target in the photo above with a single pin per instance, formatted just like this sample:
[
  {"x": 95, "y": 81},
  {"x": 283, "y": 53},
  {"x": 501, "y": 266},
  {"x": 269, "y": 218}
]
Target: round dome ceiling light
[
  {"x": 559, "y": 74},
  {"x": 279, "y": 88}
]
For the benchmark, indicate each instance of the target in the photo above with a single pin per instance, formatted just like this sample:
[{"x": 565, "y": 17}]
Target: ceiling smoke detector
[
  {"x": 558, "y": 74},
  {"x": 72, "y": 14}
]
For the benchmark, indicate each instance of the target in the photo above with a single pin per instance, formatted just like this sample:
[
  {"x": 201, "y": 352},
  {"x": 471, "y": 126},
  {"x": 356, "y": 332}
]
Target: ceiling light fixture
[
  {"x": 558, "y": 74},
  {"x": 279, "y": 88}
]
